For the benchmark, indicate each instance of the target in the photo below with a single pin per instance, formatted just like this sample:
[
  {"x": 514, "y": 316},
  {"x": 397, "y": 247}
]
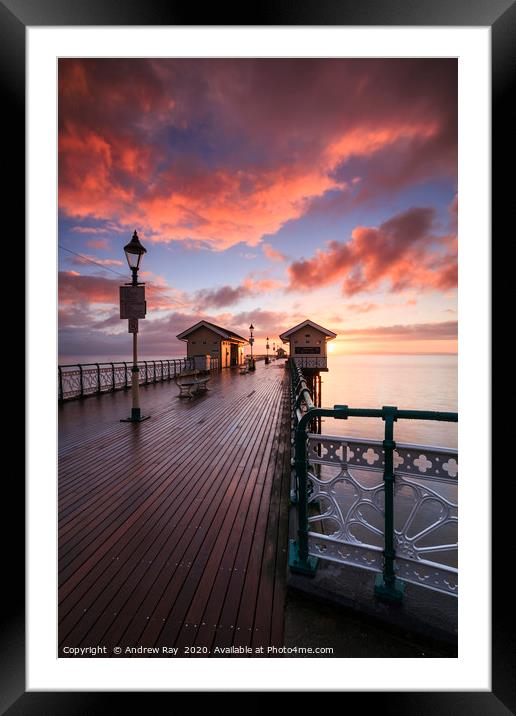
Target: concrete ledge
[{"x": 422, "y": 611}]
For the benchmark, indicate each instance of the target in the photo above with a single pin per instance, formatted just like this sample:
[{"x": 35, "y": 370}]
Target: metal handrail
[
  {"x": 303, "y": 412},
  {"x": 80, "y": 380}
]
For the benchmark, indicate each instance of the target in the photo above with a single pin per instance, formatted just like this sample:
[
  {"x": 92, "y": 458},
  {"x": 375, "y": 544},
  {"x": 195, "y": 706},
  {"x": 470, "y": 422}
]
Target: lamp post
[
  {"x": 251, "y": 341},
  {"x": 274, "y": 350},
  {"x": 133, "y": 307},
  {"x": 267, "y": 351}
]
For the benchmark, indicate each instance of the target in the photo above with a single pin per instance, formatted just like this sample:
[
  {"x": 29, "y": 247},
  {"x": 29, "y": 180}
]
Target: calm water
[
  {"x": 422, "y": 382},
  {"x": 417, "y": 382}
]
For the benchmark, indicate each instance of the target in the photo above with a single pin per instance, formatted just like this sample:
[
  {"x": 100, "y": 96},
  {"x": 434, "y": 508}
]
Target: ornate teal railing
[
  {"x": 322, "y": 467},
  {"x": 80, "y": 380}
]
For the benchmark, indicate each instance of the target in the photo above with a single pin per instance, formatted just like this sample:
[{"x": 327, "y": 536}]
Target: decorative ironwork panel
[
  {"x": 370, "y": 558},
  {"x": 90, "y": 380},
  {"x": 346, "y": 499},
  {"x": 71, "y": 380},
  {"x": 344, "y": 502},
  {"x": 106, "y": 377},
  {"x": 311, "y": 361},
  {"x": 436, "y": 577},
  {"x": 437, "y": 464},
  {"x": 120, "y": 376},
  {"x": 426, "y": 529}
]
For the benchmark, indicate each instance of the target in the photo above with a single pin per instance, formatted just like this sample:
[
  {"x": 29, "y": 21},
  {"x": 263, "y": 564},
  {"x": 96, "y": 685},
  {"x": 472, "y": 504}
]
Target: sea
[
  {"x": 417, "y": 382},
  {"x": 420, "y": 382}
]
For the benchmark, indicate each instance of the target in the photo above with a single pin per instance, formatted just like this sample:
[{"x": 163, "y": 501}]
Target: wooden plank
[
  {"x": 199, "y": 500},
  {"x": 206, "y": 607},
  {"x": 199, "y": 454},
  {"x": 214, "y": 540},
  {"x": 125, "y": 488},
  {"x": 176, "y": 523},
  {"x": 244, "y": 590}
]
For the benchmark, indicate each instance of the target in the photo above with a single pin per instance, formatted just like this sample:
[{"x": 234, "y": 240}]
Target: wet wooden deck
[{"x": 173, "y": 532}]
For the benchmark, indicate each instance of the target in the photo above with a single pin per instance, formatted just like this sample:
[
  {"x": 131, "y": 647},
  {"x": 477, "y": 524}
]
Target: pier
[
  {"x": 173, "y": 532},
  {"x": 196, "y": 532}
]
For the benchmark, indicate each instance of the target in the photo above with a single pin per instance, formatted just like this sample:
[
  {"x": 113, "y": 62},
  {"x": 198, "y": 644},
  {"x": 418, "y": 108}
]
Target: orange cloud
[
  {"x": 273, "y": 253},
  {"x": 402, "y": 251},
  {"x": 227, "y": 151}
]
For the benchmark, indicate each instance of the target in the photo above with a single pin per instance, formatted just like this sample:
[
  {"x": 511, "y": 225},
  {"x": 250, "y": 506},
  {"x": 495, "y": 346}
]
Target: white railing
[
  {"x": 83, "y": 379},
  {"x": 320, "y": 362},
  {"x": 346, "y": 509}
]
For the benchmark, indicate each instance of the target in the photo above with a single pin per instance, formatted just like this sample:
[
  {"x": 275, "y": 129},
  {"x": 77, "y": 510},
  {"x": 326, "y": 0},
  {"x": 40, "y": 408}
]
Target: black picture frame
[{"x": 500, "y": 15}]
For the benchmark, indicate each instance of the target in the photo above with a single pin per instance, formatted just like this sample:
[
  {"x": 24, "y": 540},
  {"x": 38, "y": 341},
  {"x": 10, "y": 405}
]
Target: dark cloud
[{"x": 221, "y": 297}]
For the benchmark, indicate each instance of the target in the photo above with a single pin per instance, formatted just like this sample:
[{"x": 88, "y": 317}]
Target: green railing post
[
  {"x": 81, "y": 382},
  {"x": 61, "y": 396},
  {"x": 113, "y": 386},
  {"x": 299, "y": 559},
  {"x": 387, "y": 587}
]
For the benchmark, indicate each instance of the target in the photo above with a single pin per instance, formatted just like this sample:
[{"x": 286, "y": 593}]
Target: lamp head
[{"x": 134, "y": 251}]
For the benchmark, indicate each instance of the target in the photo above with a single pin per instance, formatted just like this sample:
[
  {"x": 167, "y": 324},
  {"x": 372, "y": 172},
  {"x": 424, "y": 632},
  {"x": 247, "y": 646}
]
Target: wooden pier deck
[{"x": 173, "y": 533}]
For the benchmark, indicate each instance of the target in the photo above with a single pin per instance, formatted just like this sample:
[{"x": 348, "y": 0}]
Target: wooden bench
[{"x": 189, "y": 386}]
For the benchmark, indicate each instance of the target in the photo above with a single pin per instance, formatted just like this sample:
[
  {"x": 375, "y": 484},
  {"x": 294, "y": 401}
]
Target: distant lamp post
[
  {"x": 267, "y": 351},
  {"x": 252, "y": 365},
  {"x": 274, "y": 350},
  {"x": 133, "y": 307}
]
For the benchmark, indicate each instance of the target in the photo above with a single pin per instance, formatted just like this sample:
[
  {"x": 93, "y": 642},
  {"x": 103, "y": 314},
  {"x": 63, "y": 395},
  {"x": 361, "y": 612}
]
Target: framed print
[{"x": 280, "y": 210}]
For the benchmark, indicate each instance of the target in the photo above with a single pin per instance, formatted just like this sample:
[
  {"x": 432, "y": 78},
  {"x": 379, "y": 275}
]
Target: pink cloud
[
  {"x": 362, "y": 307},
  {"x": 402, "y": 252},
  {"x": 440, "y": 331},
  {"x": 78, "y": 290},
  {"x": 75, "y": 288},
  {"x": 267, "y": 145},
  {"x": 273, "y": 253},
  {"x": 86, "y": 259}
]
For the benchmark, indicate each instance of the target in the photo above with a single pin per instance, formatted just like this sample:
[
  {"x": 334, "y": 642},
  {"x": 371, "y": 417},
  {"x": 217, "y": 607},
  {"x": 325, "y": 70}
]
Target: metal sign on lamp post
[{"x": 133, "y": 306}]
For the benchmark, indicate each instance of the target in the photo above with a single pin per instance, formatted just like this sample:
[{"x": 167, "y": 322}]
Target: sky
[{"x": 265, "y": 191}]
